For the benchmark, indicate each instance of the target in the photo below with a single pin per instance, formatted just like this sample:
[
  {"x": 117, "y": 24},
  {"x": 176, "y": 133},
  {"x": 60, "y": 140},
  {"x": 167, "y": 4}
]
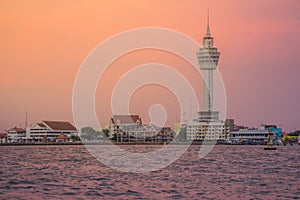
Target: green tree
[
  {"x": 106, "y": 132},
  {"x": 181, "y": 137},
  {"x": 75, "y": 138},
  {"x": 88, "y": 133}
]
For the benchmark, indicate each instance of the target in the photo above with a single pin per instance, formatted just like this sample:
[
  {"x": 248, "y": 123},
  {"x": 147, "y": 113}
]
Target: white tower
[
  {"x": 208, "y": 58},
  {"x": 207, "y": 126}
]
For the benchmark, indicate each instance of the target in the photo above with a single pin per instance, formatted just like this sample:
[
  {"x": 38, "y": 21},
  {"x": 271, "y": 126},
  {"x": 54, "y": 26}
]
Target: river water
[{"x": 70, "y": 172}]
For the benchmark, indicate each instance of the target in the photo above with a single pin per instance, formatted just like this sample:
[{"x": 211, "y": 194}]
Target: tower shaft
[{"x": 208, "y": 89}]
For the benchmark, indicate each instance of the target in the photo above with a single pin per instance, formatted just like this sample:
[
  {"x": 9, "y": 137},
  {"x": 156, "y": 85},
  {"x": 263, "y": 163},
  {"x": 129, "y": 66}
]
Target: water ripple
[{"x": 70, "y": 172}]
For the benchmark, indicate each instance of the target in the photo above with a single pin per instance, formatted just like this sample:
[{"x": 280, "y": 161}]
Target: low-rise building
[
  {"x": 229, "y": 123},
  {"x": 129, "y": 128},
  {"x": 123, "y": 122},
  {"x": 257, "y": 135},
  {"x": 16, "y": 134},
  {"x": 206, "y": 127},
  {"x": 50, "y": 130},
  {"x": 200, "y": 130},
  {"x": 3, "y": 137},
  {"x": 247, "y": 135}
]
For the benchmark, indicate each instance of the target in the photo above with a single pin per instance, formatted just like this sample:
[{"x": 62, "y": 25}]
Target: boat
[
  {"x": 270, "y": 148},
  {"x": 270, "y": 142}
]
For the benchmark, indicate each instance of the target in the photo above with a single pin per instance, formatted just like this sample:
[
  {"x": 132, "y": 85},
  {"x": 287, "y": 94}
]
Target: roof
[
  {"x": 17, "y": 129},
  {"x": 296, "y": 133},
  {"x": 61, "y": 137},
  {"x": 41, "y": 125},
  {"x": 3, "y": 135},
  {"x": 60, "y": 125},
  {"x": 126, "y": 119}
]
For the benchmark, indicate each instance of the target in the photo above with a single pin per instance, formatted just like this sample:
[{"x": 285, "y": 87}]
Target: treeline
[{"x": 90, "y": 134}]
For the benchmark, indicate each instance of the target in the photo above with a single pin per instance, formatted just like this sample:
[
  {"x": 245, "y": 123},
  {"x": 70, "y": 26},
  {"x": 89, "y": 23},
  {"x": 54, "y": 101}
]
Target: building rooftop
[
  {"x": 60, "y": 125},
  {"x": 41, "y": 125},
  {"x": 61, "y": 137},
  {"x": 126, "y": 119},
  {"x": 16, "y": 129}
]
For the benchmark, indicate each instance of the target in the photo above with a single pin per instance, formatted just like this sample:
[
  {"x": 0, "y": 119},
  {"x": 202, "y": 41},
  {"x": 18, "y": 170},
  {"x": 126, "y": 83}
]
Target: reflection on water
[{"x": 70, "y": 172}]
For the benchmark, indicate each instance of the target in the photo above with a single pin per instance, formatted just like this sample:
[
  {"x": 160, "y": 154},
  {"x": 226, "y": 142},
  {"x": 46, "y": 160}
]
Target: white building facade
[
  {"x": 129, "y": 128},
  {"x": 206, "y": 127},
  {"x": 50, "y": 130},
  {"x": 248, "y": 135},
  {"x": 16, "y": 134},
  {"x": 255, "y": 134},
  {"x": 200, "y": 130}
]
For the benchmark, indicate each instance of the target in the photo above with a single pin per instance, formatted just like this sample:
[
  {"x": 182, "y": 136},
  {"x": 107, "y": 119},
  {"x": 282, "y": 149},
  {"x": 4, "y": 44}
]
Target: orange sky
[{"x": 43, "y": 44}]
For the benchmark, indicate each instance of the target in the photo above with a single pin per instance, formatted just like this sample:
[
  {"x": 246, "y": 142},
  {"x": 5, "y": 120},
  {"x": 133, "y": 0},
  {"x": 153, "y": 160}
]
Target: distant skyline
[{"x": 43, "y": 44}]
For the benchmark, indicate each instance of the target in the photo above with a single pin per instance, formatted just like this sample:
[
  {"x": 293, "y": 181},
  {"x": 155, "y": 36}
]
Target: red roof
[
  {"x": 3, "y": 135},
  {"x": 41, "y": 125},
  {"x": 59, "y": 125},
  {"x": 17, "y": 129},
  {"x": 126, "y": 119},
  {"x": 62, "y": 137}
]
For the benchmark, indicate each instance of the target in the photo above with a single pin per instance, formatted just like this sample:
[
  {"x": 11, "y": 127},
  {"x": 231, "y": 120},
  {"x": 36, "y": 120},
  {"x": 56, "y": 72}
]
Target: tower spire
[{"x": 208, "y": 29}]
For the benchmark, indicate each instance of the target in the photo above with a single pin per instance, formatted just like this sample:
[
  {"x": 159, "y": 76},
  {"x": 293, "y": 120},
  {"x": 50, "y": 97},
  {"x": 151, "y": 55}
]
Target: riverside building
[
  {"x": 16, "y": 134},
  {"x": 50, "y": 131},
  {"x": 129, "y": 128},
  {"x": 256, "y": 135}
]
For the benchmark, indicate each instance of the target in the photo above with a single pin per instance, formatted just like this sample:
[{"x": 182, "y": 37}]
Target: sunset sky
[{"x": 43, "y": 44}]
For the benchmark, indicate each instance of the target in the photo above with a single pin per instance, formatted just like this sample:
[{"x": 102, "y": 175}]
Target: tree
[
  {"x": 90, "y": 134},
  {"x": 106, "y": 132},
  {"x": 87, "y": 130},
  {"x": 181, "y": 137},
  {"x": 75, "y": 138}
]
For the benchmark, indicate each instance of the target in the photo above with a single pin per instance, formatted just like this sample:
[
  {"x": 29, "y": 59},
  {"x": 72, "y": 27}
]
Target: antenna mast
[{"x": 26, "y": 121}]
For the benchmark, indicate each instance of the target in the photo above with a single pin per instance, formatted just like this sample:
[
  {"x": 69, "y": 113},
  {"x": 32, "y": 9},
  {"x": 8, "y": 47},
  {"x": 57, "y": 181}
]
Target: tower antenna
[
  {"x": 26, "y": 120},
  {"x": 208, "y": 18},
  {"x": 207, "y": 28}
]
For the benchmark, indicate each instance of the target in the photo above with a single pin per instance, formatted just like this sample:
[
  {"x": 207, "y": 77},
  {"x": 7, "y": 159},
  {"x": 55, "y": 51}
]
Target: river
[{"x": 71, "y": 172}]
